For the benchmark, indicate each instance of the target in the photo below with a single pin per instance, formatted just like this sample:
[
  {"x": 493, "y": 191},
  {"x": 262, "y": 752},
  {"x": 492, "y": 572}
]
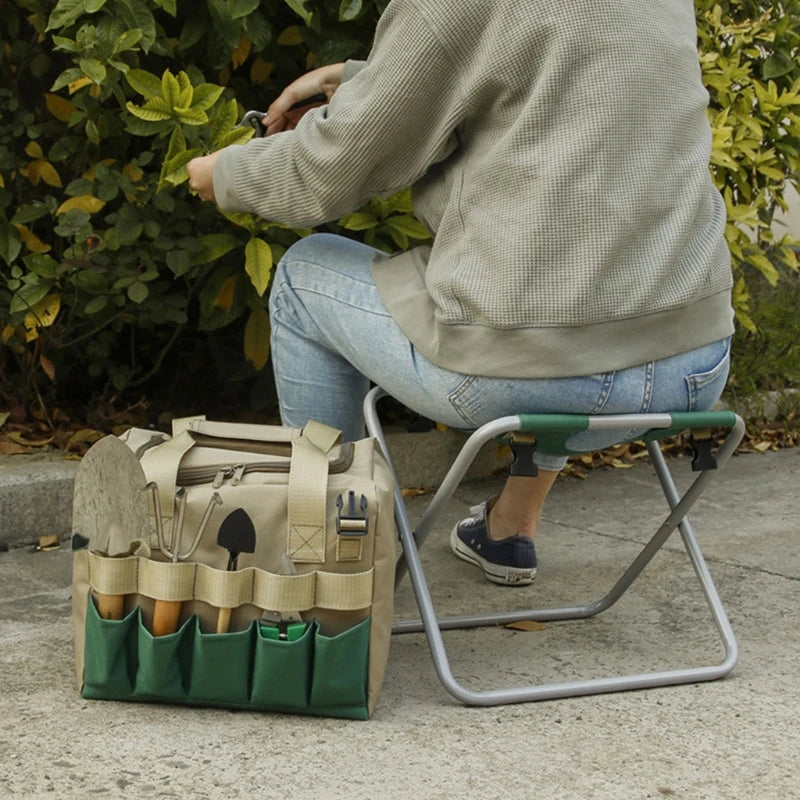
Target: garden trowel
[{"x": 110, "y": 507}]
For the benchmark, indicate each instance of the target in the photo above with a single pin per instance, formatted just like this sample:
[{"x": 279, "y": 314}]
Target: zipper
[{"x": 219, "y": 473}]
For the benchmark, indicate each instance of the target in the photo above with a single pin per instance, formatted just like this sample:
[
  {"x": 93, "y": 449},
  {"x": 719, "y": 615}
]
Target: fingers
[
  {"x": 281, "y": 116},
  {"x": 201, "y": 176}
]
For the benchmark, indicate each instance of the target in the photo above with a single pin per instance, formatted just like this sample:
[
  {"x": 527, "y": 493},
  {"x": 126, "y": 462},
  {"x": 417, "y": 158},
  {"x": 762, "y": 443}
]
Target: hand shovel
[
  {"x": 110, "y": 507},
  {"x": 237, "y": 534}
]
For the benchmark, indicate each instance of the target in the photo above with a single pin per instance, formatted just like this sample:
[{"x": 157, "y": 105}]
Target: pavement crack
[{"x": 708, "y": 558}]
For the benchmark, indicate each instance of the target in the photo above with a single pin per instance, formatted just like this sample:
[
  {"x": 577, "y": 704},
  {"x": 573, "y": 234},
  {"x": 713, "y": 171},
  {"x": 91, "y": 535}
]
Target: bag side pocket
[
  {"x": 220, "y": 672},
  {"x": 282, "y": 671},
  {"x": 339, "y": 676},
  {"x": 109, "y": 664},
  {"x": 164, "y": 663}
]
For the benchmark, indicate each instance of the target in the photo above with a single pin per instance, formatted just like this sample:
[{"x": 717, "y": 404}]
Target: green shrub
[
  {"x": 115, "y": 281},
  {"x": 750, "y": 56},
  {"x": 108, "y": 266}
]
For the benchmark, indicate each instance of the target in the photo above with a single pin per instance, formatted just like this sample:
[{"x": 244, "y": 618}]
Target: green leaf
[
  {"x": 299, "y": 8},
  {"x": 95, "y": 304},
  {"x": 10, "y": 243},
  {"x": 66, "y": 77},
  {"x": 30, "y": 212},
  {"x": 170, "y": 89},
  {"x": 224, "y": 118},
  {"x": 179, "y": 262},
  {"x": 42, "y": 264},
  {"x": 92, "y": 68},
  {"x": 65, "y": 12},
  {"x": 93, "y": 6},
  {"x": 186, "y": 92},
  {"x": 205, "y": 95},
  {"x": 215, "y": 245},
  {"x": 136, "y": 14},
  {"x": 350, "y": 9},
  {"x": 138, "y": 291},
  {"x": 408, "y": 226},
  {"x": 127, "y": 41},
  {"x": 173, "y": 172},
  {"x": 64, "y": 43},
  {"x": 235, "y": 136},
  {"x": 191, "y": 116},
  {"x": 256, "y": 337},
  {"x": 358, "y": 221},
  {"x": 143, "y": 82},
  {"x": 777, "y": 65},
  {"x": 29, "y": 295},
  {"x": 154, "y": 110},
  {"x": 241, "y": 8},
  {"x": 170, "y": 6},
  {"x": 177, "y": 144},
  {"x": 765, "y": 267},
  {"x": 258, "y": 263}
]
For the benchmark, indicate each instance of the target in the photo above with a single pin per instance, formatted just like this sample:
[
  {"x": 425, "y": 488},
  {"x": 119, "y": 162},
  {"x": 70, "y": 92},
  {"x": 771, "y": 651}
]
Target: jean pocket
[{"x": 705, "y": 388}]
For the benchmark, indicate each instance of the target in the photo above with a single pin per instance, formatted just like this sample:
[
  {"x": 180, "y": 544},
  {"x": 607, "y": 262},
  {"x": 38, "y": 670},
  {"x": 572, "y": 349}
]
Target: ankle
[{"x": 501, "y": 526}]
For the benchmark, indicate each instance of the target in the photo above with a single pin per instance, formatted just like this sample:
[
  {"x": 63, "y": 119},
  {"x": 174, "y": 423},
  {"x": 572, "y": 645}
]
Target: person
[{"x": 558, "y": 153}]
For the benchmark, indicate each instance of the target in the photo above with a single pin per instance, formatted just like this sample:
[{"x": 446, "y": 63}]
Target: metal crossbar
[{"x": 412, "y": 538}]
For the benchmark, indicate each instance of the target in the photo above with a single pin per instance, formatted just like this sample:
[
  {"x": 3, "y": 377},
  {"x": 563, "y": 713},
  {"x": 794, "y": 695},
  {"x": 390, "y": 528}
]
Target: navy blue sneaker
[{"x": 511, "y": 561}]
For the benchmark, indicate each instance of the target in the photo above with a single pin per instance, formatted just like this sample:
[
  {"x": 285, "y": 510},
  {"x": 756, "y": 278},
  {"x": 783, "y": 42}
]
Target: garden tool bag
[{"x": 234, "y": 565}]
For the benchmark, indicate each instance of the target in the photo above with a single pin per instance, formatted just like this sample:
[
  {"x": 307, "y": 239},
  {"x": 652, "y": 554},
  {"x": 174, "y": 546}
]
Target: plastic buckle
[
  {"x": 701, "y": 447},
  {"x": 352, "y": 523},
  {"x": 523, "y": 450}
]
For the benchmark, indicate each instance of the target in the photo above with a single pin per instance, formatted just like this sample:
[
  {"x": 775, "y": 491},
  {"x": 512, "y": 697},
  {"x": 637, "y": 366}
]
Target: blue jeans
[{"x": 332, "y": 335}]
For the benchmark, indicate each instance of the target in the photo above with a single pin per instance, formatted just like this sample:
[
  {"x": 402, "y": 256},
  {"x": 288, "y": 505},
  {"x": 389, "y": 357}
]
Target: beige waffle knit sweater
[{"x": 558, "y": 151}]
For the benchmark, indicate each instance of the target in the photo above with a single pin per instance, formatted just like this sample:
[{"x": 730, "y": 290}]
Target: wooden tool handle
[
  {"x": 223, "y": 620},
  {"x": 165, "y": 617},
  {"x": 110, "y": 606}
]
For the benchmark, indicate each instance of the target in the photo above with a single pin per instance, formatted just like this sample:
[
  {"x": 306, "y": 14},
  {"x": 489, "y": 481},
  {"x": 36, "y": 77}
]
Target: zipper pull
[
  {"x": 219, "y": 478},
  {"x": 237, "y": 472}
]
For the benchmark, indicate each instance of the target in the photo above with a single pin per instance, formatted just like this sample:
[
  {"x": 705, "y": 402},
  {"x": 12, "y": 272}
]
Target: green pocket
[
  {"x": 220, "y": 673},
  {"x": 340, "y": 669},
  {"x": 164, "y": 663},
  {"x": 109, "y": 656},
  {"x": 281, "y": 671}
]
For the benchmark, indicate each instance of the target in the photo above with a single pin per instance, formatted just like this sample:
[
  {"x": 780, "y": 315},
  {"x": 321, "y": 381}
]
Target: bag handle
[
  {"x": 308, "y": 478},
  {"x": 275, "y": 434}
]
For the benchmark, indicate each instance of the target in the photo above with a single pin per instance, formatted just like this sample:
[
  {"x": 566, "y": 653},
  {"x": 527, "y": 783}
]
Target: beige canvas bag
[{"x": 305, "y": 618}]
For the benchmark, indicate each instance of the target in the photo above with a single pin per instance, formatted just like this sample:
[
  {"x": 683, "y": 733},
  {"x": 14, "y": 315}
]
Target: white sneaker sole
[{"x": 496, "y": 573}]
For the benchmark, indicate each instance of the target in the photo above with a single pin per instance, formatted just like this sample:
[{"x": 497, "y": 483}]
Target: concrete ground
[{"x": 731, "y": 739}]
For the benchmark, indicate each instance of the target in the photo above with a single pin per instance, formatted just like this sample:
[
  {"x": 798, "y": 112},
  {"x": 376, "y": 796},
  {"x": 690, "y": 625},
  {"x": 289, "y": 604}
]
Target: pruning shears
[{"x": 255, "y": 118}]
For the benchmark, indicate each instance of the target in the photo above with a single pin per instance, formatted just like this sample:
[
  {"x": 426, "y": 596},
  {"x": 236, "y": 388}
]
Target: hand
[
  {"x": 324, "y": 80},
  {"x": 201, "y": 175}
]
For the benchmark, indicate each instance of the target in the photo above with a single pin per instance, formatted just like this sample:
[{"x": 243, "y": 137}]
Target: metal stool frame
[{"x": 660, "y": 425}]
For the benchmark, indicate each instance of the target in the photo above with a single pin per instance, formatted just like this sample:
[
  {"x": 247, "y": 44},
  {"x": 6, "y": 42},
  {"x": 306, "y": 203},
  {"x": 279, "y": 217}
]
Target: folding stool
[{"x": 551, "y": 432}]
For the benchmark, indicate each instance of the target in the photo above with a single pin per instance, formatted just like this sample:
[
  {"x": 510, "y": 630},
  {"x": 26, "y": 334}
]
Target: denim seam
[
  {"x": 605, "y": 393},
  {"x": 455, "y": 399},
  {"x": 649, "y": 381}
]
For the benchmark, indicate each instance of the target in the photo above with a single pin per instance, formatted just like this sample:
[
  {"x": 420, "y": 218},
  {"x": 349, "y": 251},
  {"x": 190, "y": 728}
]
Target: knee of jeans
[{"x": 307, "y": 248}]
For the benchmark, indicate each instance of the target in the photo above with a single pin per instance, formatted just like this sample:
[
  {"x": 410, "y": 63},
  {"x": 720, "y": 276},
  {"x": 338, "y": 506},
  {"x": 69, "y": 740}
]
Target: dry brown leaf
[
  {"x": 48, "y": 367},
  {"x": 84, "y": 436},
  {"x": 48, "y": 543},
  {"x": 19, "y": 438},
  {"x": 415, "y": 491},
  {"x": 9, "y": 448},
  {"x": 526, "y": 625}
]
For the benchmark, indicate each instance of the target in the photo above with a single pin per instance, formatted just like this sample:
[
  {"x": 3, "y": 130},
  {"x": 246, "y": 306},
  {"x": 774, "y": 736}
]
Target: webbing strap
[
  {"x": 308, "y": 488},
  {"x": 186, "y": 581},
  {"x": 160, "y": 465}
]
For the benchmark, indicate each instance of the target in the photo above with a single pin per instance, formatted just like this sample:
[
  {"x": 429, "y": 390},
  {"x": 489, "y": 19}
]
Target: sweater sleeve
[{"x": 382, "y": 130}]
